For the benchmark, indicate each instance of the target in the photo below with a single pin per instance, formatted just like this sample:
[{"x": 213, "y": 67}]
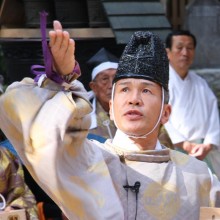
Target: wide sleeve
[{"x": 48, "y": 127}]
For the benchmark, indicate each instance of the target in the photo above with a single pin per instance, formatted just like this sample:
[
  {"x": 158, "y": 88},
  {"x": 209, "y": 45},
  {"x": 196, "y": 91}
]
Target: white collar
[{"x": 124, "y": 142}]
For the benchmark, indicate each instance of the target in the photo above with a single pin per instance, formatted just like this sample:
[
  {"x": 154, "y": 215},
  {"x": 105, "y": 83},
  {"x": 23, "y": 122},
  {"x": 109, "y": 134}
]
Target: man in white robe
[
  {"x": 194, "y": 122},
  {"x": 131, "y": 177}
]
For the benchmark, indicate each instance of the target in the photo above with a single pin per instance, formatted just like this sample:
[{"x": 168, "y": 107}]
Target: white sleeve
[{"x": 48, "y": 128}]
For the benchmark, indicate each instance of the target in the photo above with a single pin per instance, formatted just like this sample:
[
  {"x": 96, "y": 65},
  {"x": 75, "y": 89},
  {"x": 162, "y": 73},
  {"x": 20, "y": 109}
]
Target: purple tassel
[{"x": 39, "y": 70}]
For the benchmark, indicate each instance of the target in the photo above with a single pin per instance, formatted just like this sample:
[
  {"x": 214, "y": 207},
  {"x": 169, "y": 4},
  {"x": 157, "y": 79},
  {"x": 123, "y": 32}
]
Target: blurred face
[
  {"x": 102, "y": 87},
  {"x": 137, "y": 105},
  {"x": 181, "y": 54}
]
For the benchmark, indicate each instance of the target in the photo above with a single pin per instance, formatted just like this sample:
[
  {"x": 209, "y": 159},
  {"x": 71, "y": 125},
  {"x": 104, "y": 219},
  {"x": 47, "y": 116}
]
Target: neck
[
  {"x": 104, "y": 106},
  {"x": 145, "y": 143},
  {"x": 122, "y": 140},
  {"x": 181, "y": 72}
]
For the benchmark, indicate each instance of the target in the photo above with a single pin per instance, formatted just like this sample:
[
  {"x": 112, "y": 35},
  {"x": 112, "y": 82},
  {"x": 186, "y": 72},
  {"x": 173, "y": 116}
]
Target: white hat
[{"x": 102, "y": 60}]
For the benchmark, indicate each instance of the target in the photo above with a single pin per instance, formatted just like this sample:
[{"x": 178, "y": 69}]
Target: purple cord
[{"x": 39, "y": 70}]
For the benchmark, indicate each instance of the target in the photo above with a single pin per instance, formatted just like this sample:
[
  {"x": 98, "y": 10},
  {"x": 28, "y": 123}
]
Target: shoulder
[
  {"x": 200, "y": 82},
  {"x": 188, "y": 163},
  {"x": 191, "y": 171},
  {"x": 197, "y": 78}
]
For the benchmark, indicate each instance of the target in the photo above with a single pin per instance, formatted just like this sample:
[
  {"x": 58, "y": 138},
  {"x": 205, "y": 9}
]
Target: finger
[
  {"x": 57, "y": 25},
  {"x": 198, "y": 151},
  {"x": 196, "y": 155},
  {"x": 65, "y": 43},
  {"x": 194, "y": 150},
  {"x": 58, "y": 40},
  {"x": 71, "y": 48},
  {"x": 52, "y": 36}
]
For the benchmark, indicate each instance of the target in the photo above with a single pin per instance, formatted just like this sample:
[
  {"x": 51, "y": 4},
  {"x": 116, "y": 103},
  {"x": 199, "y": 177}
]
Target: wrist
[
  {"x": 186, "y": 146},
  {"x": 73, "y": 75}
]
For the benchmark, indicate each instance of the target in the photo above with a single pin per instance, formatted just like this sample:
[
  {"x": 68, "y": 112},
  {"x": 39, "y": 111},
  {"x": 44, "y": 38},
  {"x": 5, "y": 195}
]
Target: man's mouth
[{"x": 133, "y": 114}]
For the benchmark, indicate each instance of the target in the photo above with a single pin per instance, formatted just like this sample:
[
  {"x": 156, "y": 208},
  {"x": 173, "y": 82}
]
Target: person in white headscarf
[
  {"x": 194, "y": 122},
  {"x": 129, "y": 177},
  {"x": 103, "y": 66}
]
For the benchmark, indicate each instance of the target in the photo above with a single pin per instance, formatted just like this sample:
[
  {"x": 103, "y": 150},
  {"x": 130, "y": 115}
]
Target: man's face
[
  {"x": 102, "y": 87},
  {"x": 182, "y": 53},
  {"x": 137, "y": 106}
]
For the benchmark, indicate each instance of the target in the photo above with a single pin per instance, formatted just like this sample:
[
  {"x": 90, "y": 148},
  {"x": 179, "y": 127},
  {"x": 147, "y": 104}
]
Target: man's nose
[
  {"x": 135, "y": 99},
  {"x": 185, "y": 51},
  {"x": 110, "y": 81}
]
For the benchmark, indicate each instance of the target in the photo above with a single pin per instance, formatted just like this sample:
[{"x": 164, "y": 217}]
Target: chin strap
[{"x": 3, "y": 202}]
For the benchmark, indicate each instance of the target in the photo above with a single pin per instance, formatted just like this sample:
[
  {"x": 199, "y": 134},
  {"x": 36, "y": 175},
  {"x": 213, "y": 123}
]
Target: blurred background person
[
  {"x": 103, "y": 66},
  {"x": 13, "y": 188},
  {"x": 194, "y": 122}
]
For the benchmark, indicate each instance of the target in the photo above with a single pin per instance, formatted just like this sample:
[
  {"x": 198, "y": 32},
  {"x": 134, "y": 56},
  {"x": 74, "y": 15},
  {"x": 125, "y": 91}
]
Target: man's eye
[
  {"x": 125, "y": 89},
  {"x": 145, "y": 91},
  {"x": 104, "y": 79},
  {"x": 190, "y": 48}
]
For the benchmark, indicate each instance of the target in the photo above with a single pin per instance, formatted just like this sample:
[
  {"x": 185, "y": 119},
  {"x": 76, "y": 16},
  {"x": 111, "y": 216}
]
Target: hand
[
  {"x": 186, "y": 146},
  {"x": 200, "y": 151},
  {"x": 8, "y": 208},
  {"x": 62, "y": 49}
]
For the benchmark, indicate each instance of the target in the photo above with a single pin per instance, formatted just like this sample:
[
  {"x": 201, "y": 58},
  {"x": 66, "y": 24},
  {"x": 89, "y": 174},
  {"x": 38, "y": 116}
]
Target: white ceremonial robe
[
  {"x": 48, "y": 127},
  {"x": 195, "y": 115}
]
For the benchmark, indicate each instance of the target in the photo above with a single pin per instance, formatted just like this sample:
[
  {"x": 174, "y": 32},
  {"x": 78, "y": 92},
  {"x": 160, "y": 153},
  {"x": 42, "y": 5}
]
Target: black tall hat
[
  {"x": 102, "y": 60},
  {"x": 144, "y": 57}
]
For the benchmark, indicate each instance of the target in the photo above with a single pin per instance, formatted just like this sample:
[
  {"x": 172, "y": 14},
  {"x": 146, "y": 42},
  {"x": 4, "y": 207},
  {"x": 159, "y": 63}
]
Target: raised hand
[{"x": 62, "y": 49}]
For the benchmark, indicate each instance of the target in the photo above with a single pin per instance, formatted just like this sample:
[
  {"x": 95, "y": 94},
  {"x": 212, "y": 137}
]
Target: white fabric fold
[
  {"x": 194, "y": 113},
  {"x": 127, "y": 144}
]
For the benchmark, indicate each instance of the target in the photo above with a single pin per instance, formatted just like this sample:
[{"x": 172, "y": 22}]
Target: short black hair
[{"x": 179, "y": 33}]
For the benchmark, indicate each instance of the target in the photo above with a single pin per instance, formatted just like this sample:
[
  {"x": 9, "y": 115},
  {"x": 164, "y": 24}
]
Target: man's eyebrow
[
  {"x": 149, "y": 83},
  {"x": 124, "y": 83},
  {"x": 143, "y": 83},
  {"x": 182, "y": 43},
  {"x": 103, "y": 75}
]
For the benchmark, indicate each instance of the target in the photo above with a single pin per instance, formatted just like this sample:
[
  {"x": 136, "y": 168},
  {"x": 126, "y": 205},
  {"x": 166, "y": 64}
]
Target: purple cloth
[{"x": 39, "y": 70}]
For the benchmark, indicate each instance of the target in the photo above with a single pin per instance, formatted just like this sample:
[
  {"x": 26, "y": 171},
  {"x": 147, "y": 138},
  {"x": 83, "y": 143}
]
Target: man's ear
[
  {"x": 92, "y": 86},
  {"x": 166, "y": 113},
  {"x": 110, "y": 110},
  {"x": 168, "y": 52}
]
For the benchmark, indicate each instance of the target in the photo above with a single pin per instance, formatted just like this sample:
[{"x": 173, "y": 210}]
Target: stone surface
[
  {"x": 203, "y": 20},
  {"x": 212, "y": 76}
]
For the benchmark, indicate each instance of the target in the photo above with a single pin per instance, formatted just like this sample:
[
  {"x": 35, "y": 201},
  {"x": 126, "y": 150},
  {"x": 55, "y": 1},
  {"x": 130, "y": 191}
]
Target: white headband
[{"x": 103, "y": 66}]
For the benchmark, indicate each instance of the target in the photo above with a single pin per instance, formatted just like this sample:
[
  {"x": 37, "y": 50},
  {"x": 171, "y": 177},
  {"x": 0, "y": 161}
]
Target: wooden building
[{"x": 92, "y": 23}]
